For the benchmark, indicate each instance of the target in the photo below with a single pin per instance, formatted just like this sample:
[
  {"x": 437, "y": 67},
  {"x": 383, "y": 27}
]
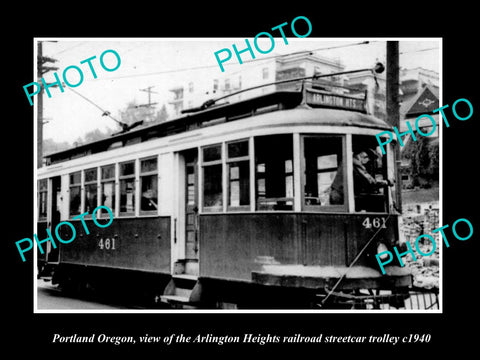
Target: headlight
[{"x": 382, "y": 248}]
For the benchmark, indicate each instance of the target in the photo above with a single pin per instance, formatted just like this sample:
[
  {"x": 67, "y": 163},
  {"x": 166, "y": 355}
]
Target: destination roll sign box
[{"x": 319, "y": 98}]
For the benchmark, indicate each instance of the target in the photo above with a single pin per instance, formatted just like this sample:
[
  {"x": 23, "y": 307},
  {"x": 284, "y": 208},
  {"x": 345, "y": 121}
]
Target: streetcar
[{"x": 256, "y": 203}]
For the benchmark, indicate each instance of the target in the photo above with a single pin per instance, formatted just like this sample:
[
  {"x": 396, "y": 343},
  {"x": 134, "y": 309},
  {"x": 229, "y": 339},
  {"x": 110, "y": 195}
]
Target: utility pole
[
  {"x": 149, "y": 91},
  {"x": 149, "y": 105},
  {"x": 41, "y": 69},
  {"x": 393, "y": 109},
  {"x": 39, "y": 109}
]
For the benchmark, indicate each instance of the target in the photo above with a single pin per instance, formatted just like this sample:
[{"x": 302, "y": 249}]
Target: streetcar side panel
[
  {"x": 140, "y": 244},
  {"x": 253, "y": 240}
]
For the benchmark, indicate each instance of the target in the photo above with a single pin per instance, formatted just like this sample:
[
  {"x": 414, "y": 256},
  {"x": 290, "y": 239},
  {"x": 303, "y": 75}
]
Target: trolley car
[{"x": 249, "y": 204}]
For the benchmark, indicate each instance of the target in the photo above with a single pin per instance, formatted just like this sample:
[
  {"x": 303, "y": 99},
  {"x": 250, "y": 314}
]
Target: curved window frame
[
  {"x": 153, "y": 174},
  {"x": 125, "y": 178},
  {"x": 210, "y": 164},
  {"x": 106, "y": 178},
  {"x": 75, "y": 185},
  {"x": 92, "y": 184},
  {"x": 237, "y": 173}
]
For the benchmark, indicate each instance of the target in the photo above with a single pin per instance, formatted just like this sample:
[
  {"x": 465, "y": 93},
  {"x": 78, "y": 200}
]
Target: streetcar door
[
  {"x": 191, "y": 211},
  {"x": 52, "y": 254}
]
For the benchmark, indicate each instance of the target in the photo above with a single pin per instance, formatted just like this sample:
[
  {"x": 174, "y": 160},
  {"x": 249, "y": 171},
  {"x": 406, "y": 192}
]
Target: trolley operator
[{"x": 364, "y": 183}]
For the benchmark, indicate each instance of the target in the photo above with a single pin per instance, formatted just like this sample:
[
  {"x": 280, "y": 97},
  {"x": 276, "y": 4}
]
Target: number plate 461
[
  {"x": 374, "y": 222},
  {"x": 106, "y": 244}
]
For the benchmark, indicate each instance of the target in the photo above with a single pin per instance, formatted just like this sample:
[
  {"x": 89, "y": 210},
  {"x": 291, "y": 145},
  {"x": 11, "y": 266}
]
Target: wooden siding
[
  {"x": 231, "y": 247},
  {"x": 140, "y": 244}
]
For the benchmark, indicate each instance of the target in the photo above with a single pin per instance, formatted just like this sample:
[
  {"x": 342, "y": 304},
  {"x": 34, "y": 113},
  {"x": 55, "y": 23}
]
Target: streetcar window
[
  {"x": 107, "y": 187},
  {"x": 238, "y": 172},
  {"x": 212, "y": 178},
  {"x": 75, "y": 191},
  {"x": 274, "y": 172},
  {"x": 324, "y": 180},
  {"x": 90, "y": 175},
  {"x": 108, "y": 172},
  {"x": 127, "y": 168},
  {"x": 369, "y": 175},
  {"x": 237, "y": 149},
  {"x": 127, "y": 188},
  {"x": 149, "y": 185},
  {"x": 212, "y": 153},
  {"x": 90, "y": 190},
  {"x": 42, "y": 199}
]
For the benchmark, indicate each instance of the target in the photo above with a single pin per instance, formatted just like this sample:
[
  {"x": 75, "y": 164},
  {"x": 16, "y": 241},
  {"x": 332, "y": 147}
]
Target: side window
[
  {"x": 324, "y": 172},
  {"x": 91, "y": 187},
  {"x": 74, "y": 193},
  {"x": 148, "y": 185},
  {"x": 127, "y": 188},
  {"x": 212, "y": 178},
  {"x": 107, "y": 187},
  {"x": 369, "y": 175},
  {"x": 238, "y": 172},
  {"x": 274, "y": 172},
  {"x": 42, "y": 199}
]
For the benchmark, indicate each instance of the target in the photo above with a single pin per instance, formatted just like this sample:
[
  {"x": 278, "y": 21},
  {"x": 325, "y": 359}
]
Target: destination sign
[{"x": 327, "y": 99}]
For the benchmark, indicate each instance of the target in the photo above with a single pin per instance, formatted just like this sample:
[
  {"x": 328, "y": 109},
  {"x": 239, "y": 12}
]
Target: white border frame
[{"x": 186, "y": 311}]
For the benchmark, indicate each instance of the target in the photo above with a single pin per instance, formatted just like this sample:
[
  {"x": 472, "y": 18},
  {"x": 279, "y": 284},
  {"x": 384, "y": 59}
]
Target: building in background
[
  {"x": 375, "y": 88},
  {"x": 195, "y": 93}
]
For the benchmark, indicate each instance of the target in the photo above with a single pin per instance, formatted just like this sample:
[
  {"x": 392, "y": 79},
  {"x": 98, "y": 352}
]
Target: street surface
[{"x": 49, "y": 297}]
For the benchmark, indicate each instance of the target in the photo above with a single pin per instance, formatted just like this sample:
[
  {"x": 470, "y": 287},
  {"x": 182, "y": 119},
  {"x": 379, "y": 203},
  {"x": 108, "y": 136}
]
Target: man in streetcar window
[
  {"x": 149, "y": 200},
  {"x": 363, "y": 180},
  {"x": 368, "y": 189}
]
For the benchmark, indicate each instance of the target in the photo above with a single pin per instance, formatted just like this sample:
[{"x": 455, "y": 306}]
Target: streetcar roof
[{"x": 291, "y": 101}]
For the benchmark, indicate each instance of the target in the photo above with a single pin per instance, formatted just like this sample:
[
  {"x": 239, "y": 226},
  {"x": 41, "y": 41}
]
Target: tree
[
  {"x": 424, "y": 160},
  {"x": 93, "y": 135},
  {"x": 134, "y": 112},
  {"x": 51, "y": 146},
  {"x": 161, "y": 115}
]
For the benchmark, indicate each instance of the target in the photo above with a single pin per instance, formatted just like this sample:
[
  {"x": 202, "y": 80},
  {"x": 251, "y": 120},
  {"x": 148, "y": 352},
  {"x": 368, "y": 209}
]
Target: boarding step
[
  {"x": 175, "y": 299},
  {"x": 183, "y": 290},
  {"x": 186, "y": 266}
]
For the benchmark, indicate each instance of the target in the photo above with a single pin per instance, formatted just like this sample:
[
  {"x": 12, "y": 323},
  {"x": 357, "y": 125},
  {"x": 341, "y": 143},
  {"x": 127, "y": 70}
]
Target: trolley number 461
[
  {"x": 376, "y": 222},
  {"x": 106, "y": 244}
]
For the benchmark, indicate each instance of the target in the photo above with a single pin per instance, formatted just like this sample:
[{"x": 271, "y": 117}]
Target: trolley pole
[{"x": 393, "y": 109}]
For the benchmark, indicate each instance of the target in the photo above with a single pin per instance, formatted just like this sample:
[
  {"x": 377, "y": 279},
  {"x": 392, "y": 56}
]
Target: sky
[{"x": 165, "y": 63}]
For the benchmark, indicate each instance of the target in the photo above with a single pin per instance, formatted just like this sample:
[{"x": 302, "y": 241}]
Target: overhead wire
[
  {"x": 421, "y": 50},
  {"x": 104, "y": 112},
  {"x": 202, "y": 67},
  {"x": 107, "y": 113},
  {"x": 68, "y": 49},
  {"x": 194, "y": 68}
]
